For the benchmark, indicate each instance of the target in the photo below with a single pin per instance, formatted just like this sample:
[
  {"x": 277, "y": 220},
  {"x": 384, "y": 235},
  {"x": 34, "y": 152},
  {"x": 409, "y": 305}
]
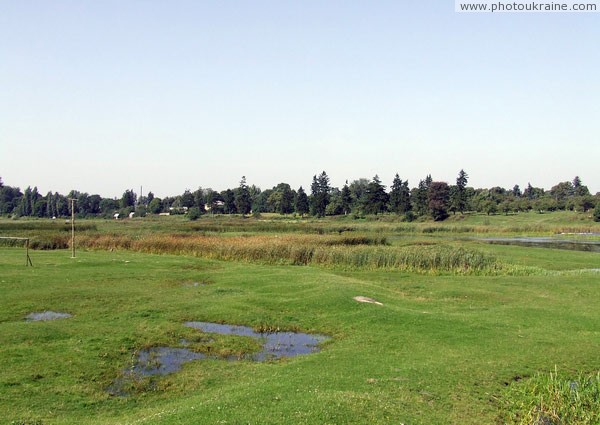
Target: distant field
[{"x": 467, "y": 333}]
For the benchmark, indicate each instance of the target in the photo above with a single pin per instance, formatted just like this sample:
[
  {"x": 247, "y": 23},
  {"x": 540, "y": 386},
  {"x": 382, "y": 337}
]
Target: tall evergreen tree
[
  {"x": 458, "y": 193},
  {"x": 243, "y": 201},
  {"x": 420, "y": 196},
  {"x": 286, "y": 205},
  {"x": 229, "y": 200},
  {"x": 516, "y": 191},
  {"x": 346, "y": 199},
  {"x": 376, "y": 197},
  {"x": 320, "y": 194},
  {"x": 302, "y": 206},
  {"x": 579, "y": 189},
  {"x": 395, "y": 194}
]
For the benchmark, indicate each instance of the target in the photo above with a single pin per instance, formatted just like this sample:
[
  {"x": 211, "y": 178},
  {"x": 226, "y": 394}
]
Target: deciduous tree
[{"x": 439, "y": 197}]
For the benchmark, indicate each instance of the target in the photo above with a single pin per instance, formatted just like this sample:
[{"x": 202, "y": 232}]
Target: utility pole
[{"x": 73, "y": 200}]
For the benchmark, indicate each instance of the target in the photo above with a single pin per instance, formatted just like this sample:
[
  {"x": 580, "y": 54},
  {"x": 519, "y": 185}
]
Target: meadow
[{"x": 467, "y": 332}]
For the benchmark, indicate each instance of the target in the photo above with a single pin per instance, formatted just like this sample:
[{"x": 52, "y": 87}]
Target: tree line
[{"x": 433, "y": 199}]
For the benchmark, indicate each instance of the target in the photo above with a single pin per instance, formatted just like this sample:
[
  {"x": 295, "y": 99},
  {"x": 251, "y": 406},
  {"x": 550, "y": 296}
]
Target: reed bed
[{"x": 349, "y": 252}]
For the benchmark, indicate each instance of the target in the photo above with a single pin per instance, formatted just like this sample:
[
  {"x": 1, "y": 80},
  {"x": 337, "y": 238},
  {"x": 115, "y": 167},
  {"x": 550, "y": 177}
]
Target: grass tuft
[{"x": 553, "y": 399}]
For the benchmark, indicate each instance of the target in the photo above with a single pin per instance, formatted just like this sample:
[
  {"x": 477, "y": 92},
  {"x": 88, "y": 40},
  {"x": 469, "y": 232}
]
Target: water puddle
[
  {"x": 46, "y": 315},
  {"x": 548, "y": 242},
  {"x": 164, "y": 360},
  {"x": 275, "y": 345}
]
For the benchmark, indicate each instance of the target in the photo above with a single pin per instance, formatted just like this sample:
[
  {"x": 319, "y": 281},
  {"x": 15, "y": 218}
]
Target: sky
[{"x": 104, "y": 96}]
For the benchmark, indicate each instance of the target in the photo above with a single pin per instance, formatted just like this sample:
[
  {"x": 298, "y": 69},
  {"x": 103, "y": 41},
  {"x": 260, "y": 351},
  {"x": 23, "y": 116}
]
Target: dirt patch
[{"x": 368, "y": 300}]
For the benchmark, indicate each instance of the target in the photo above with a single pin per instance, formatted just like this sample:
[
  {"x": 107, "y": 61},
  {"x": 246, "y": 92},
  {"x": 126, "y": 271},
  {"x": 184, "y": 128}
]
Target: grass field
[{"x": 466, "y": 344}]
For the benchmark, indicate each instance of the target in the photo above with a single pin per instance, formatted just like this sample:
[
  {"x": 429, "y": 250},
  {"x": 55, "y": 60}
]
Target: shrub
[
  {"x": 193, "y": 213},
  {"x": 597, "y": 212}
]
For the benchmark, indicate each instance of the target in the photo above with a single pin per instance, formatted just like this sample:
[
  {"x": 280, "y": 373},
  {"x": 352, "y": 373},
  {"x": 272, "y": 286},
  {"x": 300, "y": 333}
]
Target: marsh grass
[
  {"x": 553, "y": 399},
  {"x": 349, "y": 252},
  {"x": 44, "y": 234}
]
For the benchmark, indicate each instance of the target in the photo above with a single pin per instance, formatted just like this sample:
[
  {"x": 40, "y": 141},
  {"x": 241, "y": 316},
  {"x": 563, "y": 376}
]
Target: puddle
[
  {"x": 164, "y": 360},
  {"x": 197, "y": 284},
  {"x": 46, "y": 315},
  {"x": 548, "y": 242},
  {"x": 275, "y": 345}
]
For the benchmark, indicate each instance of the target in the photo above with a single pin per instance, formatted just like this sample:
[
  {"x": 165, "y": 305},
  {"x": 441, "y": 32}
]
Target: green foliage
[
  {"x": 319, "y": 198},
  {"x": 229, "y": 206},
  {"x": 346, "y": 199},
  {"x": 553, "y": 399},
  {"x": 155, "y": 206},
  {"x": 128, "y": 199},
  {"x": 376, "y": 197},
  {"x": 597, "y": 213},
  {"x": 459, "y": 194},
  {"x": 465, "y": 331},
  {"x": 439, "y": 198},
  {"x": 193, "y": 213},
  {"x": 243, "y": 201},
  {"x": 420, "y": 197},
  {"x": 187, "y": 199},
  {"x": 302, "y": 204}
]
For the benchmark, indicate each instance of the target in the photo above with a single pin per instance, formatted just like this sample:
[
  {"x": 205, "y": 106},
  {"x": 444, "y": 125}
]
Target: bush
[
  {"x": 193, "y": 213},
  {"x": 597, "y": 213}
]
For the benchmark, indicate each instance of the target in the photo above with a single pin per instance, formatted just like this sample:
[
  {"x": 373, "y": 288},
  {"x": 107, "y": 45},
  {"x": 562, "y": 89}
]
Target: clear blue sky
[{"x": 103, "y": 96}]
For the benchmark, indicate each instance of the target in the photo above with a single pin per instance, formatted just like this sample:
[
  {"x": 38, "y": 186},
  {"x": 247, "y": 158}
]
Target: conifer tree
[
  {"x": 243, "y": 202},
  {"x": 301, "y": 206},
  {"x": 376, "y": 197},
  {"x": 319, "y": 194},
  {"x": 346, "y": 199}
]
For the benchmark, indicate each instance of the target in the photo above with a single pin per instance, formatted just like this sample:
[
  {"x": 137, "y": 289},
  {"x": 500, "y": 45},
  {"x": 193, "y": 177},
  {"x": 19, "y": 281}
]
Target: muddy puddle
[
  {"x": 548, "y": 242},
  {"x": 164, "y": 360},
  {"x": 46, "y": 315}
]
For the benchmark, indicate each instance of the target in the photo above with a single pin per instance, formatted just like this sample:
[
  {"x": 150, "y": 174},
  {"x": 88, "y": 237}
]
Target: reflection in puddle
[
  {"x": 275, "y": 344},
  {"x": 548, "y": 242},
  {"x": 164, "y": 360}
]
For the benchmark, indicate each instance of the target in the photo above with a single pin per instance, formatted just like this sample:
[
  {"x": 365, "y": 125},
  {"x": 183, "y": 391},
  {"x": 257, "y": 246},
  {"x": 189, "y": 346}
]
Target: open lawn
[{"x": 451, "y": 344}]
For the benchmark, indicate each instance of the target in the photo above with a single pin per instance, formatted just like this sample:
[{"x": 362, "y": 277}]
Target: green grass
[
  {"x": 552, "y": 398},
  {"x": 442, "y": 349}
]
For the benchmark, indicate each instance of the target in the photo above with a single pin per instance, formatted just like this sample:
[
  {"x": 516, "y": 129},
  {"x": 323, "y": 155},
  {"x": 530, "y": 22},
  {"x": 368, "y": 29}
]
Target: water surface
[
  {"x": 275, "y": 345},
  {"x": 46, "y": 315},
  {"x": 548, "y": 242}
]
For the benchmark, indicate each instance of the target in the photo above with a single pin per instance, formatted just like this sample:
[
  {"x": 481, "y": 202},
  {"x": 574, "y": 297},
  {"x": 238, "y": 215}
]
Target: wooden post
[
  {"x": 73, "y": 200},
  {"x": 28, "y": 259}
]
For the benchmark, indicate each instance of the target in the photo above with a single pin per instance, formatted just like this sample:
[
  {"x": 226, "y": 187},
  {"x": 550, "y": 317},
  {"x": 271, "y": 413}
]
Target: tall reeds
[{"x": 354, "y": 252}]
